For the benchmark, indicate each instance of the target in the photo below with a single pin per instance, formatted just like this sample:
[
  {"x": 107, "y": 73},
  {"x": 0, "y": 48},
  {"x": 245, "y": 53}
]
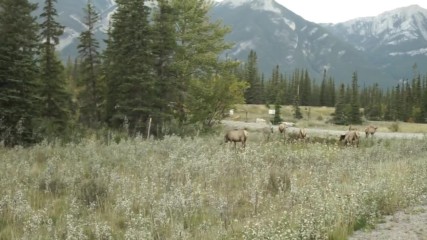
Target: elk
[
  {"x": 282, "y": 128},
  {"x": 370, "y": 130},
  {"x": 350, "y": 138},
  {"x": 302, "y": 133},
  {"x": 236, "y": 135}
]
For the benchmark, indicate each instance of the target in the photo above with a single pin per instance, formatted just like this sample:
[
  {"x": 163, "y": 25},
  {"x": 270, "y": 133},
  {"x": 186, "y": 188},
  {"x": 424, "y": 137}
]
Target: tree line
[
  {"x": 160, "y": 73},
  {"x": 406, "y": 101}
]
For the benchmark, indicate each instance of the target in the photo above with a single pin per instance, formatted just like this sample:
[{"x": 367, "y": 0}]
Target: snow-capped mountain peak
[
  {"x": 262, "y": 5},
  {"x": 409, "y": 11},
  {"x": 391, "y": 24}
]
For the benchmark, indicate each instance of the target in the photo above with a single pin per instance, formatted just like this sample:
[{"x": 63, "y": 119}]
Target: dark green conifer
[
  {"x": 90, "y": 84},
  {"x": 55, "y": 101},
  {"x": 18, "y": 72}
]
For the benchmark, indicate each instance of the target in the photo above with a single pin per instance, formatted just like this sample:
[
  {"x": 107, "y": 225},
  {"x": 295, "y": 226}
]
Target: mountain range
[{"x": 383, "y": 49}]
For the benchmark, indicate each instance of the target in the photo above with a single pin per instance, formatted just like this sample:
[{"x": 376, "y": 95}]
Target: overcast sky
[{"x": 333, "y": 11}]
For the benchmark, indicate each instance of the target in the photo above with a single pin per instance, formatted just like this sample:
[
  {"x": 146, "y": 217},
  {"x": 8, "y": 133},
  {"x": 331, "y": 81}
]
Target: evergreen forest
[{"x": 163, "y": 72}]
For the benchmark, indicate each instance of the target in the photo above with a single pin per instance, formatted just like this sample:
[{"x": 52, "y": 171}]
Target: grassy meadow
[{"x": 200, "y": 188}]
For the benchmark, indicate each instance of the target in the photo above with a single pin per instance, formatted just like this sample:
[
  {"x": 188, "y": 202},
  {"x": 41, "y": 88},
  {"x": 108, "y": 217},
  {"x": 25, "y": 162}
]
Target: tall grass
[{"x": 197, "y": 188}]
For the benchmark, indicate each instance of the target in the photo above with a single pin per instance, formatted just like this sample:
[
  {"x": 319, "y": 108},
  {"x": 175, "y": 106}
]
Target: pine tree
[
  {"x": 417, "y": 108},
  {"x": 91, "y": 93},
  {"x": 315, "y": 95},
  {"x": 354, "y": 115},
  {"x": 340, "y": 115},
  {"x": 282, "y": 88},
  {"x": 273, "y": 86},
  {"x": 262, "y": 90},
  {"x": 424, "y": 98},
  {"x": 129, "y": 67},
  {"x": 55, "y": 100},
  {"x": 296, "y": 105},
  {"x": 330, "y": 102},
  {"x": 297, "y": 109},
  {"x": 163, "y": 52},
  {"x": 18, "y": 72},
  {"x": 397, "y": 103},
  {"x": 305, "y": 89},
  {"x": 323, "y": 90},
  {"x": 373, "y": 100},
  {"x": 253, "y": 93},
  {"x": 388, "y": 111},
  {"x": 277, "y": 119}
]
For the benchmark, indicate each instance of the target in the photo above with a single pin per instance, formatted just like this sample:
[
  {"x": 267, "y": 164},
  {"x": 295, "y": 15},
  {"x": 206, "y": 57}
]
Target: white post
[{"x": 149, "y": 127}]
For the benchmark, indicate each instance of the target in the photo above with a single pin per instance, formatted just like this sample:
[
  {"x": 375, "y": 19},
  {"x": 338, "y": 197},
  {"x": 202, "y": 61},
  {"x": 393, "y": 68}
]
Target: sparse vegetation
[
  {"x": 394, "y": 127},
  {"x": 197, "y": 188}
]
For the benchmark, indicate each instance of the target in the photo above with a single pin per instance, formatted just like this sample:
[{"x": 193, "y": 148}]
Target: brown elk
[
  {"x": 237, "y": 135},
  {"x": 302, "y": 133},
  {"x": 370, "y": 130},
  {"x": 350, "y": 138},
  {"x": 282, "y": 128}
]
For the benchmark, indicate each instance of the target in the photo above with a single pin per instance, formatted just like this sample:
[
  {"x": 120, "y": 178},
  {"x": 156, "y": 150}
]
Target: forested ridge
[{"x": 161, "y": 73}]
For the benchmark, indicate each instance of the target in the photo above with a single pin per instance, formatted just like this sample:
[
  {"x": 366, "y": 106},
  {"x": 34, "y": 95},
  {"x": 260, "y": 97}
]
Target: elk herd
[{"x": 350, "y": 138}]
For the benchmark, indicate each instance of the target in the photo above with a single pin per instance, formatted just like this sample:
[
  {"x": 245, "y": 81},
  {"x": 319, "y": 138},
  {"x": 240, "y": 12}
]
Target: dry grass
[{"x": 197, "y": 188}]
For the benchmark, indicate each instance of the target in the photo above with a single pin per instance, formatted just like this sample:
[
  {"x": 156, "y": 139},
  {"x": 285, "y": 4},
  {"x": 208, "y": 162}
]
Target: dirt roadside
[{"x": 409, "y": 224}]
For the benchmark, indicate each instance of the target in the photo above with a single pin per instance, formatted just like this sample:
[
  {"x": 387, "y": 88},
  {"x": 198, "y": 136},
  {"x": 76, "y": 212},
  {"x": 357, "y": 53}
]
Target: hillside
[{"x": 383, "y": 49}]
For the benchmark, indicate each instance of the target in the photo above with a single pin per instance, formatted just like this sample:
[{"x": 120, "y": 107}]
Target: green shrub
[{"x": 394, "y": 127}]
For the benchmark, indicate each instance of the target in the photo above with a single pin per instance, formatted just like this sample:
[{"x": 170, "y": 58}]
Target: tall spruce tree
[
  {"x": 282, "y": 88},
  {"x": 398, "y": 103},
  {"x": 129, "y": 64},
  {"x": 417, "y": 109},
  {"x": 340, "y": 115},
  {"x": 18, "y": 72},
  {"x": 305, "y": 89},
  {"x": 372, "y": 97},
  {"x": 354, "y": 115},
  {"x": 297, "y": 109},
  {"x": 388, "y": 111},
  {"x": 92, "y": 89},
  {"x": 424, "y": 98},
  {"x": 55, "y": 100},
  {"x": 296, "y": 104},
  {"x": 277, "y": 119},
  {"x": 331, "y": 93},
  {"x": 164, "y": 46},
  {"x": 323, "y": 91},
  {"x": 253, "y": 94},
  {"x": 273, "y": 86}
]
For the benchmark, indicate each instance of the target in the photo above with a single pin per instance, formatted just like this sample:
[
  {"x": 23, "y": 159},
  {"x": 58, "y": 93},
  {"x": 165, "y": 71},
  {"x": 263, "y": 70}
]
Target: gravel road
[{"x": 321, "y": 132}]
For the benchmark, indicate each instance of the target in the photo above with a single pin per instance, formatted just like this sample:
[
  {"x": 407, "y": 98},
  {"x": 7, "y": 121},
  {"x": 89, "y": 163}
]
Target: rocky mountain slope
[
  {"x": 394, "y": 41},
  {"x": 382, "y": 49}
]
